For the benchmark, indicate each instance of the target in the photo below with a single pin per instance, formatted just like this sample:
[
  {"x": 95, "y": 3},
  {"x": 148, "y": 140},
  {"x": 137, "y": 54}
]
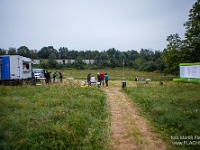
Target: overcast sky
[{"x": 92, "y": 24}]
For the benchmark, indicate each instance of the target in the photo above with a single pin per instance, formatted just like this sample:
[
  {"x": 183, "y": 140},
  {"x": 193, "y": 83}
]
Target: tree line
[
  {"x": 167, "y": 61},
  {"x": 146, "y": 60}
]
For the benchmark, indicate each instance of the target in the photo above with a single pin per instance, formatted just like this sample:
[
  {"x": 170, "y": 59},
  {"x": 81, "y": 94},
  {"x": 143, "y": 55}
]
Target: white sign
[{"x": 190, "y": 71}]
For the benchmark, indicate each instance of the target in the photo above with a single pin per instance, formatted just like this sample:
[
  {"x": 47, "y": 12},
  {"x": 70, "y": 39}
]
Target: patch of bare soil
[{"x": 129, "y": 131}]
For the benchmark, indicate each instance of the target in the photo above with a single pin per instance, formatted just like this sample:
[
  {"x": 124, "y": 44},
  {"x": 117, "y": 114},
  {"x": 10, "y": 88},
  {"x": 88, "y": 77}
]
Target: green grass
[
  {"x": 116, "y": 74},
  {"x": 69, "y": 117},
  {"x": 53, "y": 117},
  {"x": 174, "y": 109}
]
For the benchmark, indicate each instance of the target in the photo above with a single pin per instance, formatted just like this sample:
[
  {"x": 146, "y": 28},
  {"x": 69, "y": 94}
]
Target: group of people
[
  {"x": 100, "y": 79},
  {"x": 47, "y": 75},
  {"x": 60, "y": 76}
]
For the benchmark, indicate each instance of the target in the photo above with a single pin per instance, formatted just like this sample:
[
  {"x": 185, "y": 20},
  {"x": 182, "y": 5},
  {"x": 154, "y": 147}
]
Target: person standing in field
[
  {"x": 54, "y": 76},
  {"x": 45, "y": 73},
  {"x": 60, "y": 76},
  {"x": 102, "y": 78},
  {"x": 106, "y": 79},
  {"x": 88, "y": 79},
  {"x": 48, "y": 77},
  {"x": 99, "y": 79}
]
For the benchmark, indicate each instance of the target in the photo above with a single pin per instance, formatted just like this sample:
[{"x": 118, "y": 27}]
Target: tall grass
[
  {"x": 173, "y": 108},
  {"x": 53, "y": 117}
]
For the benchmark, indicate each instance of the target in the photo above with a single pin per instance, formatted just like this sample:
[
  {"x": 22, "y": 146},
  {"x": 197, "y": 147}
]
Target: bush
[{"x": 148, "y": 66}]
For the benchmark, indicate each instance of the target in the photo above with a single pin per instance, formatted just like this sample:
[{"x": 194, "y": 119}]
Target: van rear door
[{"x": 5, "y": 67}]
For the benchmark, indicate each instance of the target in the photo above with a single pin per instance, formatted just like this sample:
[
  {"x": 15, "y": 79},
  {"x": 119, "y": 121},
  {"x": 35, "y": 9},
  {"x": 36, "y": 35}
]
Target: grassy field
[
  {"x": 53, "y": 117},
  {"x": 174, "y": 109},
  {"x": 115, "y": 74},
  {"x": 63, "y": 116}
]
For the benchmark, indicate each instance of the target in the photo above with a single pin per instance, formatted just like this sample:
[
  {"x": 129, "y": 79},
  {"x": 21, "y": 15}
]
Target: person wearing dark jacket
[
  {"x": 60, "y": 76},
  {"x": 54, "y": 76},
  {"x": 88, "y": 79},
  {"x": 106, "y": 79},
  {"x": 99, "y": 79},
  {"x": 48, "y": 77}
]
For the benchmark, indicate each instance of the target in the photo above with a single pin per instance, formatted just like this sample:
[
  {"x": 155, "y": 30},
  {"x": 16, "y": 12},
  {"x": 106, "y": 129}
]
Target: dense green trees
[
  {"x": 2, "y": 51},
  {"x": 23, "y": 51},
  {"x": 144, "y": 60},
  {"x": 46, "y": 51},
  {"x": 62, "y": 52},
  {"x": 193, "y": 32},
  {"x": 172, "y": 54},
  {"x": 12, "y": 51},
  {"x": 187, "y": 50}
]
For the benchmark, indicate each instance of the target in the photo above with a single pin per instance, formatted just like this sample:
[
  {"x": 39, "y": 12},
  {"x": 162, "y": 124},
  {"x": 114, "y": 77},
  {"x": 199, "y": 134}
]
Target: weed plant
[
  {"x": 53, "y": 117},
  {"x": 173, "y": 108}
]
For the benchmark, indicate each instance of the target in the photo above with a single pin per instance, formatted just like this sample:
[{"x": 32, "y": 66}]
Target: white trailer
[{"x": 15, "y": 69}]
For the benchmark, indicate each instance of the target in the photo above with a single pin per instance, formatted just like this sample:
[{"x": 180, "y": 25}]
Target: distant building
[
  {"x": 36, "y": 61},
  {"x": 88, "y": 61},
  {"x": 60, "y": 61},
  {"x": 67, "y": 61}
]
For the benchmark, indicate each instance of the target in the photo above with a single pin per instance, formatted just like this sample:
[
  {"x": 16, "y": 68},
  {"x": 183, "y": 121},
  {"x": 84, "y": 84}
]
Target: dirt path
[{"x": 129, "y": 131}]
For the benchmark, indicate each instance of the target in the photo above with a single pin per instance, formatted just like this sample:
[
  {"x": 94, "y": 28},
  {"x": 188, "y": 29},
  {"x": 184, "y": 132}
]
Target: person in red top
[{"x": 102, "y": 78}]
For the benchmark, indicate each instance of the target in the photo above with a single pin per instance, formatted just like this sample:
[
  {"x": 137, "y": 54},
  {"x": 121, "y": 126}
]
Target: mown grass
[
  {"x": 116, "y": 74},
  {"x": 53, "y": 117},
  {"x": 174, "y": 109}
]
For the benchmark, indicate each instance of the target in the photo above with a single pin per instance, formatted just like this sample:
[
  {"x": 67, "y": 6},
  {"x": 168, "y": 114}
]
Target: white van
[{"x": 38, "y": 73}]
